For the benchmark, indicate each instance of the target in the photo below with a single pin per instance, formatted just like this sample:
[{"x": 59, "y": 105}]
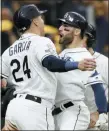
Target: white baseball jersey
[
  {"x": 72, "y": 84},
  {"x": 23, "y": 63},
  {"x": 102, "y": 68}
]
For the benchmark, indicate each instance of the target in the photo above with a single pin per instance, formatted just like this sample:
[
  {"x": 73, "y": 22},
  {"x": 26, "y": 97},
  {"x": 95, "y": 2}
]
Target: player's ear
[{"x": 77, "y": 32}]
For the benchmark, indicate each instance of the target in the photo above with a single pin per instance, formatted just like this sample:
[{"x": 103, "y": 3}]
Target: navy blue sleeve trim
[
  {"x": 55, "y": 64},
  {"x": 94, "y": 74},
  {"x": 108, "y": 107},
  {"x": 100, "y": 97}
]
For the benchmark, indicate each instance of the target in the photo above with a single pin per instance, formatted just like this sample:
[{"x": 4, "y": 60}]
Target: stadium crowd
[{"x": 95, "y": 11}]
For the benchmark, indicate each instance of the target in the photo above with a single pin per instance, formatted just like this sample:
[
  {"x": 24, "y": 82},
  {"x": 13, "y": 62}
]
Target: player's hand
[
  {"x": 103, "y": 118},
  {"x": 104, "y": 127},
  {"x": 3, "y": 83},
  {"x": 93, "y": 119},
  {"x": 87, "y": 65},
  {"x": 102, "y": 122}
]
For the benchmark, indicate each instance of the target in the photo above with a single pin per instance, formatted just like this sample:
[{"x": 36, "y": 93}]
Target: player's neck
[
  {"x": 91, "y": 51},
  {"x": 75, "y": 44},
  {"x": 32, "y": 31}
]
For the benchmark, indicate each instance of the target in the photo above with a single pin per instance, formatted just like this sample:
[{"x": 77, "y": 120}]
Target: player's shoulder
[
  {"x": 83, "y": 52},
  {"x": 99, "y": 56},
  {"x": 41, "y": 39}
]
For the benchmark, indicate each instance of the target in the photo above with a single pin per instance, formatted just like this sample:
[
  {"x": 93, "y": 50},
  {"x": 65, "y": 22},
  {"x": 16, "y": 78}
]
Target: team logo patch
[
  {"x": 50, "y": 49},
  {"x": 67, "y": 58}
]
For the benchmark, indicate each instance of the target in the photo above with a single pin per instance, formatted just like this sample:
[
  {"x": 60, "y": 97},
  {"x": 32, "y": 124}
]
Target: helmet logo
[
  {"x": 70, "y": 18},
  {"x": 65, "y": 16}
]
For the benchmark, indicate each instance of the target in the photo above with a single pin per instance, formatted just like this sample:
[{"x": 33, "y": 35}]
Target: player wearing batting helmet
[
  {"x": 97, "y": 121},
  {"x": 28, "y": 65},
  {"x": 71, "y": 113}
]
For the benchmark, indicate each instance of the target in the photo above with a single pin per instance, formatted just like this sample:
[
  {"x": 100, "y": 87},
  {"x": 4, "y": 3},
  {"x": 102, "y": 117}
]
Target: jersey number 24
[{"x": 26, "y": 70}]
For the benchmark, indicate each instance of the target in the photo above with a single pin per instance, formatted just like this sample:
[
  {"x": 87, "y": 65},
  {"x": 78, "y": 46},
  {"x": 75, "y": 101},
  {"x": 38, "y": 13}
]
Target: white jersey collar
[
  {"x": 96, "y": 55},
  {"x": 27, "y": 35},
  {"x": 80, "y": 49}
]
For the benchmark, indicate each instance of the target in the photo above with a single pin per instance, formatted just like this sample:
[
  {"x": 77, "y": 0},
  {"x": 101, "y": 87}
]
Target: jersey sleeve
[
  {"x": 4, "y": 66},
  {"x": 90, "y": 100},
  {"x": 45, "y": 49},
  {"x": 105, "y": 71},
  {"x": 94, "y": 78}
]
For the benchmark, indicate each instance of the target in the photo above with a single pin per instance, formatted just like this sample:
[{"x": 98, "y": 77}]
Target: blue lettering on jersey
[
  {"x": 67, "y": 58},
  {"x": 19, "y": 47}
]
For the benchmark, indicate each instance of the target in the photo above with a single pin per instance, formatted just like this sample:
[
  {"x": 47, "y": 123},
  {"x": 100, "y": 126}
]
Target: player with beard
[
  {"x": 28, "y": 65},
  {"x": 98, "y": 121},
  {"x": 70, "y": 112}
]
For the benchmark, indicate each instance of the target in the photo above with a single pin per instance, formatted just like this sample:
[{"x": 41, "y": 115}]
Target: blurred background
[{"x": 96, "y": 12}]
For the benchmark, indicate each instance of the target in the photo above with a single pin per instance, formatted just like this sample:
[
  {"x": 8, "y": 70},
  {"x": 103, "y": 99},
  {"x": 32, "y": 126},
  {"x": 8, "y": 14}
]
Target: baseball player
[
  {"x": 70, "y": 112},
  {"x": 30, "y": 62},
  {"x": 97, "y": 121}
]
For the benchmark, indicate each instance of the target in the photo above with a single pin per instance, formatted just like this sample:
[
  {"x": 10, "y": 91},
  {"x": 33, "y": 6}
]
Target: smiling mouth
[{"x": 60, "y": 35}]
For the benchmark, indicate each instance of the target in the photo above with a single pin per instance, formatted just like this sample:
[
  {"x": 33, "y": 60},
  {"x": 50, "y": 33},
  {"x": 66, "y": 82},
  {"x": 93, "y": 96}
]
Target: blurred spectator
[
  {"x": 7, "y": 34},
  {"x": 15, "y": 5},
  {"x": 106, "y": 7},
  {"x": 96, "y": 12},
  {"x": 70, "y": 5},
  {"x": 6, "y": 14},
  {"x": 90, "y": 14},
  {"x": 101, "y": 25}
]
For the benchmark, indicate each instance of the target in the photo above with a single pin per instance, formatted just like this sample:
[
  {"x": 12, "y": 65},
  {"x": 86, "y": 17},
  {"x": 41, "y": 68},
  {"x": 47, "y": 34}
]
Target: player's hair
[
  {"x": 23, "y": 30},
  {"x": 82, "y": 33}
]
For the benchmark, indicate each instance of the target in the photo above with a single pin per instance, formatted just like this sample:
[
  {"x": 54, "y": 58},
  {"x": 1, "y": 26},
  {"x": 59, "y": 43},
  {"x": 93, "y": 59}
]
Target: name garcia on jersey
[{"x": 19, "y": 47}]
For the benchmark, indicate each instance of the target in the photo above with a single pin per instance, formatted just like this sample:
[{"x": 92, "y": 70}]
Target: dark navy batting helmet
[
  {"x": 91, "y": 34},
  {"x": 23, "y": 17},
  {"x": 75, "y": 19}
]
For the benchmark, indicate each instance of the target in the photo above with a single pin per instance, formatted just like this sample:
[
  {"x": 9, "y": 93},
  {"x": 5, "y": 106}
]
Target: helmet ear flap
[
  {"x": 82, "y": 24},
  {"x": 91, "y": 34},
  {"x": 90, "y": 42}
]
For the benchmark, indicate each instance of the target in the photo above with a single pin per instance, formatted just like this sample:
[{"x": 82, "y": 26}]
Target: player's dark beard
[{"x": 66, "y": 40}]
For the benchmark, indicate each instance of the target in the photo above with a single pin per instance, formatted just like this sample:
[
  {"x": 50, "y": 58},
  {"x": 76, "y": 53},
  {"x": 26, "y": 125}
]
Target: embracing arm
[
  {"x": 100, "y": 97},
  {"x": 99, "y": 92},
  {"x": 55, "y": 64}
]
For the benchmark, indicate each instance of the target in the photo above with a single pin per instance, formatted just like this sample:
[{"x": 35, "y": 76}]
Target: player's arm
[
  {"x": 4, "y": 73},
  {"x": 97, "y": 86},
  {"x": 100, "y": 97},
  {"x": 105, "y": 71},
  {"x": 108, "y": 107},
  {"x": 54, "y": 64},
  {"x": 46, "y": 54}
]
